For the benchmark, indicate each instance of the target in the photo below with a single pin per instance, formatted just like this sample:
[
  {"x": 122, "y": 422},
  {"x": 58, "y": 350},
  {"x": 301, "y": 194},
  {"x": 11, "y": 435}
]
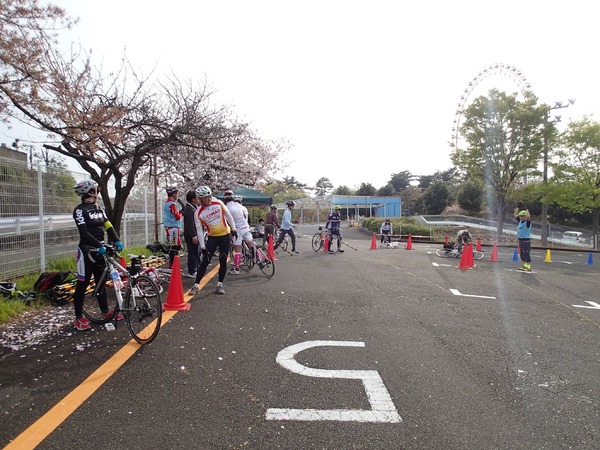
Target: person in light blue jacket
[
  {"x": 523, "y": 219},
  {"x": 287, "y": 227}
]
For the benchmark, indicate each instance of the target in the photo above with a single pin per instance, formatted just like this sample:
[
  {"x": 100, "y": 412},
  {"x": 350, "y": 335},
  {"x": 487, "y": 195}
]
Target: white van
[{"x": 572, "y": 236}]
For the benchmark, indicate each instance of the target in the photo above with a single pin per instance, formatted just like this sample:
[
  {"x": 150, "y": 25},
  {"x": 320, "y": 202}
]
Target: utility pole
[{"x": 557, "y": 105}]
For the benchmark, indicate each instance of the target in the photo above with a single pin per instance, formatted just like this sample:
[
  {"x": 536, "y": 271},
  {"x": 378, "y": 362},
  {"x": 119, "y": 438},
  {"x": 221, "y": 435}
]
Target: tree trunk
[
  {"x": 500, "y": 204},
  {"x": 595, "y": 219}
]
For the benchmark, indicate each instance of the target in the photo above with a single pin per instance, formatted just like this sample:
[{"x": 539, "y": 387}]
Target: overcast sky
[{"x": 363, "y": 89}]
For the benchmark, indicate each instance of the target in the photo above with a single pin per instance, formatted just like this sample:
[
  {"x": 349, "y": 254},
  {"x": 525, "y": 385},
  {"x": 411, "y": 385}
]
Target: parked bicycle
[
  {"x": 318, "y": 241},
  {"x": 452, "y": 252},
  {"x": 138, "y": 300}
]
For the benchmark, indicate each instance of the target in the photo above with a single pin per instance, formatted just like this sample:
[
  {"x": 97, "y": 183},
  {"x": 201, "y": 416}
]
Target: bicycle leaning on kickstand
[{"x": 137, "y": 298}]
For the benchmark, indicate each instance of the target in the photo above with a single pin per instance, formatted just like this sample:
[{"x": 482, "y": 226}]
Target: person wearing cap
[
  {"x": 386, "y": 230},
  {"x": 333, "y": 225},
  {"x": 523, "y": 219},
  {"x": 172, "y": 216}
]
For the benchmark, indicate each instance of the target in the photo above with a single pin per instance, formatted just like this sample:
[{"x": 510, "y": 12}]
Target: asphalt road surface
[{"x": 369, "y": 349}]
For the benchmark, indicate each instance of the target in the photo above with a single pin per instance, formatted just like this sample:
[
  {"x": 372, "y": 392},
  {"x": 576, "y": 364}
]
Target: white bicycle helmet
[
  {"x": 290, "y": 203},
  {"x": 171, "y": 189},
  {"x": 84, "y": 187},
  {"x": 203, "y": 191},
  {"x": 238, "y": 198}
]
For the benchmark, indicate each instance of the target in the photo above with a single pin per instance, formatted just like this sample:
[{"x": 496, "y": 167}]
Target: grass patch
[{"x": 11, "y": 308}]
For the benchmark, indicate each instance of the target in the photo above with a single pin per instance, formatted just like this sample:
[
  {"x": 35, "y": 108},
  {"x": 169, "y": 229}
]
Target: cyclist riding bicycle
[
  {"x": 386, "y": 231},
  {"x": 333, "y": 225},
  {"x": 91, "y": 221}
]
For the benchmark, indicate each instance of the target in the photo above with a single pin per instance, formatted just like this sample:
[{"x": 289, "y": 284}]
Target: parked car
[{"x": 573, "y": 236}]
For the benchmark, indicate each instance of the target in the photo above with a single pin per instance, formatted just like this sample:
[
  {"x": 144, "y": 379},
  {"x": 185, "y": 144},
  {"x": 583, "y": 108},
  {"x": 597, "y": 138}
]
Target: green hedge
[{"x": 404, "y": 226}]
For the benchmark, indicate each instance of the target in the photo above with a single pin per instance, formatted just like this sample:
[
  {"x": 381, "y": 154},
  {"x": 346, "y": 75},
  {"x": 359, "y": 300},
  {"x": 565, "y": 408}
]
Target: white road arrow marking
[
  {"x": 456, "y": 292},
  {"x": 594, "y": 305}
]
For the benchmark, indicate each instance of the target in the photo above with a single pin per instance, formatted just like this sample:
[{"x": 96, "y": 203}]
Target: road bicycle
[
  {"x": 318, "y": 241},
  {"x": 264, "y": 263},
  {"x": 452, "y": 252},
  {"x": 138, "y": 299}
]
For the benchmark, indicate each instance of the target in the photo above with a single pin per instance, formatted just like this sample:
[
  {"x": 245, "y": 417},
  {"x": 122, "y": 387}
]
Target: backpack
[{"x": 48, "y": 280}]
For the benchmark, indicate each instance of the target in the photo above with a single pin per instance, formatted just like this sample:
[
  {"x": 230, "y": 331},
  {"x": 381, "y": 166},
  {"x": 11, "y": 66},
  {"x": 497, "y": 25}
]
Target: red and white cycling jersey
[{"x": 215, "y": 219}]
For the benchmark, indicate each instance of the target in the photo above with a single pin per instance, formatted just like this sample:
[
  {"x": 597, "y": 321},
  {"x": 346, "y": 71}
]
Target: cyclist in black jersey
[
  {"x": 333, "y": 224},
  {"x": 91, "y": 221}
]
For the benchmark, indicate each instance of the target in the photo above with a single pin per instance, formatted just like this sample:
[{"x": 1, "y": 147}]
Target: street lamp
[{"x": 557, "y": 105}]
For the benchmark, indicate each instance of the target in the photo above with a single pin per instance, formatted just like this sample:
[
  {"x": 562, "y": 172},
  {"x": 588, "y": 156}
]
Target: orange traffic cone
[
  {"x": 494, "y": 257},
  {"x": 175, "y": 294},
  {"x": 271, "y": 249},
  {"x": 409, "y": 243},
  {"x": 479, "y": 244},
  {"x": 373, "y": 242},
  {"x": 123, "y": 264},
  {"x": 470, "y": 254},
  {"x": 325, "y": 245},
  {"x": 464, "y": 260},
  {"x": 446, "y": 241}
]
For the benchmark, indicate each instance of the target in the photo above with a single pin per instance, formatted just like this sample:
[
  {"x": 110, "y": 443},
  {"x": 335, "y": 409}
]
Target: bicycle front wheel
[
  {"x": 91, "y": 307},
  {"x": 477, "y": 255},
  {"x": 267, "y": 267},
  {"x": 444, "y": 253},
  {"x": 285, "y": 243},
  {"x": 317, "y": 242},
  {"x": 143, "y": 309}
]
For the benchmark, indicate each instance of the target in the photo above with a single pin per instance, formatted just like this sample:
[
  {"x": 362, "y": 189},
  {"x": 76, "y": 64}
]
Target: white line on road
[
  {"x": 594, "y": 305},
  {"x": 456, "y": 292},
  {"x": 382, "y": 406}
]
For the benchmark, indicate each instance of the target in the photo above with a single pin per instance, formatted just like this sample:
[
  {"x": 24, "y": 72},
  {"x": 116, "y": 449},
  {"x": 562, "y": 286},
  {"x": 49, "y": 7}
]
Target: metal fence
[{"x": 36, "y": 217}]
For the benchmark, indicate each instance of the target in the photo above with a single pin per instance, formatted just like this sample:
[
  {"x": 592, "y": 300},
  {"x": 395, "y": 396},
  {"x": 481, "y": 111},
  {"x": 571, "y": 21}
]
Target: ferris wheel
[{"x": 503, "y": 70}]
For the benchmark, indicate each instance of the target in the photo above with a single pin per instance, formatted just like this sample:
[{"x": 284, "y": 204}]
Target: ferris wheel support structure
[{"x": 499, "y": 69}]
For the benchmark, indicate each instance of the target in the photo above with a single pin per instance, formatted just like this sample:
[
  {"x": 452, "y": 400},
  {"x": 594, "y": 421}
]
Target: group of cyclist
[{"x": 225, "y": 223}]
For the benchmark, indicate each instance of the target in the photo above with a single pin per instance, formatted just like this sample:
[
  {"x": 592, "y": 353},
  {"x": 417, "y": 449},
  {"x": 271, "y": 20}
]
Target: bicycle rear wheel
[
  {"x": 334, "y": 243},
  {"x": 247, "y": 262},
  {"x": 317, "y": 242},
  {"x": 444, "y": 253},
  {"x": 286, "y": 241},
  {"x": 143, "y": 309},
  {"x": 477, "y": 255}
]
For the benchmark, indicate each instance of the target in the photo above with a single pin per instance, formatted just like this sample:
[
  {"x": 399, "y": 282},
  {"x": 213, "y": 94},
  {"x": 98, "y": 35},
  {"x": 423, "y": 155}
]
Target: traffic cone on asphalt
[
  {"x": 409, "y": 243},
  {"x": 494, "y": 257},
  {"x": 515, "y": 256},
  {"x": 464, "y": 263},
  {"x": 325, "y": 245},
  {"x": 548, "y": 257},
  {"x": 479, "y": 244},
  {"x": 271, "y": 249},
  {"x": 590, "y": 261},
  {"x": 471, "y": 256},
  {"x": 446, "y": 241},
  {"x": 373, "y": 242},
  {"x": 175, "y": 294}
]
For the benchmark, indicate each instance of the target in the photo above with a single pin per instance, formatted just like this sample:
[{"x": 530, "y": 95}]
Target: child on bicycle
[{"x": 91, "y": 221}]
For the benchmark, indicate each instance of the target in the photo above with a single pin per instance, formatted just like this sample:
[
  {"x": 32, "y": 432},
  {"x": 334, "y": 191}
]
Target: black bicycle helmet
[{"x": 290, "y": 203}]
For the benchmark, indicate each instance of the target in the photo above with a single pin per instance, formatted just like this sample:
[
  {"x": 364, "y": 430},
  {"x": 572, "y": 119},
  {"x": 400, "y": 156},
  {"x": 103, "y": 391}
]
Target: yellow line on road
[{"x": 41, "y": 428}]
